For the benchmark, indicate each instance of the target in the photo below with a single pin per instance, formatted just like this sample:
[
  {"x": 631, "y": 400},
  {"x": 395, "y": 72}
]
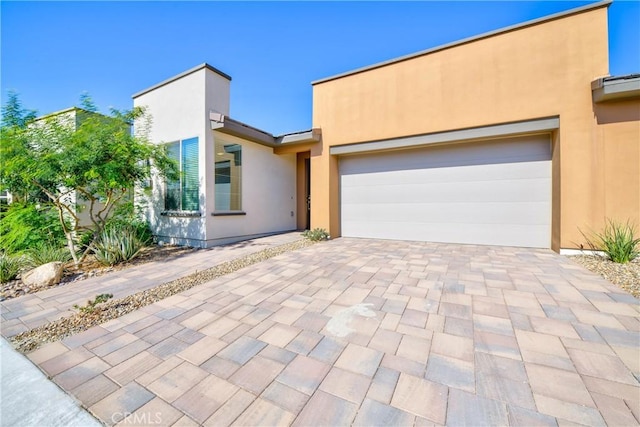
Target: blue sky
[{"x": 51, "y": 52}]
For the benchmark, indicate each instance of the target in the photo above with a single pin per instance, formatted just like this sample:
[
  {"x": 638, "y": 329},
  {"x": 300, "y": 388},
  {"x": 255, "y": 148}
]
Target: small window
[
  {"x": 183, "y": 194},
  {"x": 228, "y": 165}
]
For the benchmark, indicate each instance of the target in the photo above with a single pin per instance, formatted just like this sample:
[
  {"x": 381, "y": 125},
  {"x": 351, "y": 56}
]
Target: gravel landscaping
[
  {"x": 30, "y": 340},
  {"x": 626, "y": 276}
]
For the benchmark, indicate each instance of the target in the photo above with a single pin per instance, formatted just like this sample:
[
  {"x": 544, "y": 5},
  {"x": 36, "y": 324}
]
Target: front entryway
[{"x": 303, "y": 190}]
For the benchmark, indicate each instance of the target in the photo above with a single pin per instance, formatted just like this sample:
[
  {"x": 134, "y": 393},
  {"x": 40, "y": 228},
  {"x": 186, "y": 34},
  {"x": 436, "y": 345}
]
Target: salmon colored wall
[
  {"x": 538, "y": 71},
  {"x": 618, "y": 136}
]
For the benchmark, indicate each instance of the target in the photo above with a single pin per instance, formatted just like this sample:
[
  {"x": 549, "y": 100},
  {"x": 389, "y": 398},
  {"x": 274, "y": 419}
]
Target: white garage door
[{"x": 493, "y": 193}]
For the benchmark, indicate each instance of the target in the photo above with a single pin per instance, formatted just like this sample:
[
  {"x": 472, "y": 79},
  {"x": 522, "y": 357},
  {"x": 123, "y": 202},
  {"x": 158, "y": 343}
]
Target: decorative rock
[{"x": 45, "y": 275}]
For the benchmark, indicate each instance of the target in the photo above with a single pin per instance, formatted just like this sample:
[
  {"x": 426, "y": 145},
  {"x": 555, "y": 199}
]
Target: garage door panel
[
  {"x": 483, "y": 191},
  {"x": 464, "y": 193},
  {"x": 458, "y": 174},
  {"x": 453, "y": 213},
  {"x": 508, "y": 150},
  {"x": 480, "y": 234}
]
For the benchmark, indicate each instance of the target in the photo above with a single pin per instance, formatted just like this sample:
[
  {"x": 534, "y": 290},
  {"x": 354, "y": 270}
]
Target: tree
[
  {"x": 85, "y": 154},
  {"x": 13, "y": 115}
]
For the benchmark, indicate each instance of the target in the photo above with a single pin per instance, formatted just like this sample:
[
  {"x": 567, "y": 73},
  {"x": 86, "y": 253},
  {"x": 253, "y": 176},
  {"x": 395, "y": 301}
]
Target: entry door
[{"x": 493, "y": 193}]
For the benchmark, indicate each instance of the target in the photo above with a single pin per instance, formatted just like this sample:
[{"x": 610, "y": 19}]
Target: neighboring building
[
  {"x": 517, "y": 137},
  {"x": 73, "y": 118}
]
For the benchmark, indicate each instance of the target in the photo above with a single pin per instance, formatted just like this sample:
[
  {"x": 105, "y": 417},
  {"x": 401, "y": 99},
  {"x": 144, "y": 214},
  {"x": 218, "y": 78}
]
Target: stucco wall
[
  {"x": 618, "y": 151},
  {"x": 180, "y": 110},
  {"x": 268, "y": 194},
  {"x": 537, "y": 71}
]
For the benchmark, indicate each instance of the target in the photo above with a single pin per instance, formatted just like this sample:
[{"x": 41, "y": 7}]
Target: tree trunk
[{"x": 72, "y": 247}]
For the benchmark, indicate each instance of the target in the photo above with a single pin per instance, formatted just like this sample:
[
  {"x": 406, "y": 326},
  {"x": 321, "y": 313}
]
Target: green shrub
[
  {"x": 25, "y": 226},
  {"x": 117, "y": 244},
  {"x": 10, "y": 266},
  {"x": 316, "y": 234},
  {"x": 46, "y": 253},
  {"x": 617, "y": 241}
]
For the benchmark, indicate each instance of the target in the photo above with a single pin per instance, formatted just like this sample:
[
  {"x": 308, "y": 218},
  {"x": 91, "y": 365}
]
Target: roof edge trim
[
  {"x": 577, "y": 10},
  {"x": 229, "y": 126},
  {"x": 181, "y": 75},
  {"x": 613, "y": 88}
]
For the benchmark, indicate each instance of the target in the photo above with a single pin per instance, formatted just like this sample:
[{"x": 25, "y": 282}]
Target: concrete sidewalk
[
  {"x": 28, "y": 398},
  {"x": 33, "y": 310}
]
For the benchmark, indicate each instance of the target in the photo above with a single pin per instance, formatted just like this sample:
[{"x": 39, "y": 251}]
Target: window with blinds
[{"x": 183, "y": 194}]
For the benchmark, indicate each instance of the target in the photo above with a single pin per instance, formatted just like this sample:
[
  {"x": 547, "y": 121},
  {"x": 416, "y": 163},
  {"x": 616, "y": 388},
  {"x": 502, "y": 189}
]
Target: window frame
[
  {"x": 234, "y": 161},
  {"x": 182, "y": 185}
]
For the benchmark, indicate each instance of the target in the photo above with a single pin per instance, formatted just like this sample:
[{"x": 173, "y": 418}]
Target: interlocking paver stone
[
  {"x": 231, "y": 409},
  {"x": 120, "y": 403},
  {"x": 81, "y": 373},
  {"x": 558, "y": 384},
  {"x": 66, "y": 360},
  {"x": 602, "y": 366},
  {"x": 421, "y": 397},
  {"x": 94, "y": 390},
  {"x": 452, "y": 372},
  {"x": 256, "y": 374},
  {"x": 304, "y": 374},
  {"x": 572, "y": 412},
  {"x": 285, "y": 397},
  {"x": 414, "y": 348},
  {"x": 327, "y": 410},
  {"x": 469, "y": 409},
  {"x": 205, "y": 397},
  {"x": 459, "y": 334},
  {"x": 614, "y": 411},
  {"x": 263, "y": 412},
  {"x": 373, "y": 413},
  {"x": 360, "y": 360},
  {"x": 346, "y": 385},
  {"x": 202, "y": 350},
  {"x": 383, "y": 385},
  {"x": 177, "y": 381},
  {"x": 156, "y": 412},
  {"x": 133, "y": 368}
]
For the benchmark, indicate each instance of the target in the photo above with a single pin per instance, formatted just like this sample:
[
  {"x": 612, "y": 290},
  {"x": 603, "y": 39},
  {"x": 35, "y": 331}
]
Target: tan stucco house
[{"x": 517, "y": 137}]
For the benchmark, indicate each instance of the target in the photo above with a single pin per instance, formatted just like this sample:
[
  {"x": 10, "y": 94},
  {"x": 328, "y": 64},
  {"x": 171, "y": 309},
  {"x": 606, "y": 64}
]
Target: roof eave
[
  {"x": 312, "y": 135},
  {"x": 604, "y": 89},
  {"x": 229, "y": 126}
]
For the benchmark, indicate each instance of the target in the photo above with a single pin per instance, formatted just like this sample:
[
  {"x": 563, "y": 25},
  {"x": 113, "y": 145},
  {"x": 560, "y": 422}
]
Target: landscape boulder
[{"x": 45, "y": 275}]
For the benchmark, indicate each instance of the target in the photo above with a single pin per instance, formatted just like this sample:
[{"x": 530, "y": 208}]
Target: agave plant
[{"x": 117, "y": 245}]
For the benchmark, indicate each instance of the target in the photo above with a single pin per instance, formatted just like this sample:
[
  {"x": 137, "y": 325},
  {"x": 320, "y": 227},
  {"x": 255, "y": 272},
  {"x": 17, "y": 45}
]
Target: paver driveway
[{"x": 369, "y": 332}]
